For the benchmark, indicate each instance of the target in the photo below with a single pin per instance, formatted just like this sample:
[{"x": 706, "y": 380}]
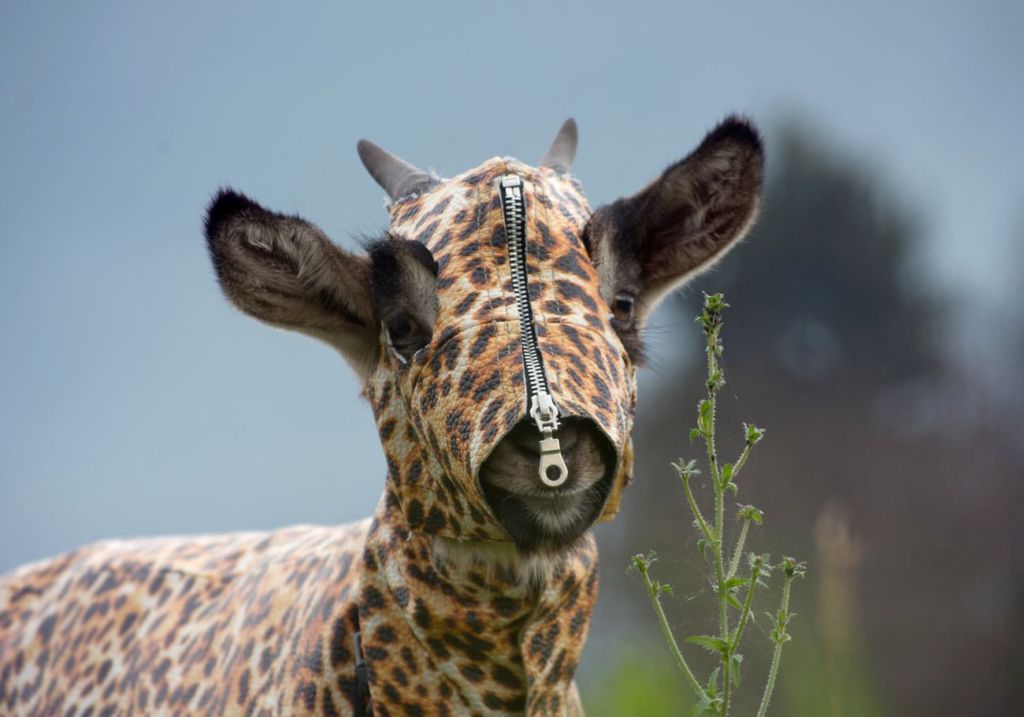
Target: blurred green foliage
[
  {"x": 639, "y": 682},
  {"x": 644, "y": 682}
]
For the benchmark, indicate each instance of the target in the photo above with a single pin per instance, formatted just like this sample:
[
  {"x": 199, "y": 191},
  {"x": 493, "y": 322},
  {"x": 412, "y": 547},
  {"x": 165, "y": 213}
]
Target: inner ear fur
[
  {"x": 284, "y": 271},
  {"x": 682, "y": 222}
]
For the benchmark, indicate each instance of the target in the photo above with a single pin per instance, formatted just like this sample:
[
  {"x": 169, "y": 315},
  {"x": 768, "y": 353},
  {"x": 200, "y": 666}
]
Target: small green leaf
[
  {"x": 716, "y": 380},
  {"x": 710, "y": 643},
  {"x": 714, "y": 303},
  {"x": 704, "y": 418},
  {"x": 735, "y": 660},
  {"x": 695, "y": 433},
  {"x": 702, "y": 707},
  {"x": 733, "y": 583},
  {"x": 686, "y": 469},
  {"x": 751, "y": 513},
  {"x": 642, "y": 562},
  {"x": 727, "y": 478},
  {"x": 702, "y": 546},
  {"x": 752, "y": 434},
  {"x": 732, "y": 600},
  {"x": 792, "y": 568},
  {"x": 712, "y": 688}
]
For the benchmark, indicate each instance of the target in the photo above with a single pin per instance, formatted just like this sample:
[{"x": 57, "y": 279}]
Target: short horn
[
  {"x": 562, "y": 151},
  {"x": 395, "y": 176}
]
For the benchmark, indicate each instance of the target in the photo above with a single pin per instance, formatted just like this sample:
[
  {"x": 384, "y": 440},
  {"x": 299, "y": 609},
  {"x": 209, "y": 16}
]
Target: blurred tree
[{"x": 825, "y": 281}]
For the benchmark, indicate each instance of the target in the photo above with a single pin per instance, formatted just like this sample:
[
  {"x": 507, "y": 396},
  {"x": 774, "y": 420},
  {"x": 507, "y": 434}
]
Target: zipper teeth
[
  {"x": 540, "y": 406},
  {"x": 515, "y": 234}
]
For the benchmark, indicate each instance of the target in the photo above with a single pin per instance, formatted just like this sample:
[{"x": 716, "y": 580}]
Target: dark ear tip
[
  {"x": 739, "y": 130},
  {"x": 226, "y": 205}
]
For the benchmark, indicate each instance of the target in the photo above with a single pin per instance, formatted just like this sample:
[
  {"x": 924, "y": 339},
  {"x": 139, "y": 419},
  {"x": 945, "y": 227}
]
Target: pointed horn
[
  {"x": 562, "y": 152},
  {"x": 395, "y": 176}
]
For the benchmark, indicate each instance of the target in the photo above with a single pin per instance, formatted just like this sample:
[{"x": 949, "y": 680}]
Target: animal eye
[
  {"x": 400, "y": 328},
  {"x": 405, "y": 336},
  {"x": 623, "y": 306}
]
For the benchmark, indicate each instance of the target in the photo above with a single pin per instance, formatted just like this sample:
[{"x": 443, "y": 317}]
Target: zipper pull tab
[{"x": 553, "y": 471}]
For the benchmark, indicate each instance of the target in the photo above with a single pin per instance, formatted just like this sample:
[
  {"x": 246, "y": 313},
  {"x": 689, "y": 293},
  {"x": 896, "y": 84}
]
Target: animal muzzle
[{"x": 536, "y": 515}]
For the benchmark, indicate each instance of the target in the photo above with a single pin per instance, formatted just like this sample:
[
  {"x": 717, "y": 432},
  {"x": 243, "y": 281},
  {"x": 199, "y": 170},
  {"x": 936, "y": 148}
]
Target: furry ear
[
  {"x": 285, "y": 271},
  {"x": 650, "y": 243}
]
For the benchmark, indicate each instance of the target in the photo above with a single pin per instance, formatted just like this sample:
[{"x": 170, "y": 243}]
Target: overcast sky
[{"x": 133, "y": 400}]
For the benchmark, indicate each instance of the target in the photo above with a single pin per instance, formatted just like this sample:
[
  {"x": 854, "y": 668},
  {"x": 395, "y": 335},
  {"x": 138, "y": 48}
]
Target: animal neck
[{"x": 491, "y": 632}]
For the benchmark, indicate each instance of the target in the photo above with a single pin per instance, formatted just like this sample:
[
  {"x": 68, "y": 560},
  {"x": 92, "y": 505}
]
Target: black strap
[{"x": 364, "y": 703}]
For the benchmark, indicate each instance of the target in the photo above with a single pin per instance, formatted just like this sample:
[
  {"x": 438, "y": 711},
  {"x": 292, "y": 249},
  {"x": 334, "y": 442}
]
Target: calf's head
[{"x": 441, "y": 319}]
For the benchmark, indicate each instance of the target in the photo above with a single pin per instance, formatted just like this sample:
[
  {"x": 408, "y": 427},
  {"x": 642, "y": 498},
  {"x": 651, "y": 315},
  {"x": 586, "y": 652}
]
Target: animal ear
[
  {"x": 285, "y": 271},
  {"x": 650, "y": 243}
]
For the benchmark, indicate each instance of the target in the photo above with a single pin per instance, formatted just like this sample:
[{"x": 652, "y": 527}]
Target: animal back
[{"x": 246, "y": 623}]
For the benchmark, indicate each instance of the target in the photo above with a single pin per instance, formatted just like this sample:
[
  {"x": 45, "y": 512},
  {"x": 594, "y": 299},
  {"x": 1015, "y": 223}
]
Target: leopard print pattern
[
  {"x": 465, "y": 391},
  {"x": 245, "y": 624},
  {"x": 443, "y": 412},
  {"x": 263, "y": 624}
]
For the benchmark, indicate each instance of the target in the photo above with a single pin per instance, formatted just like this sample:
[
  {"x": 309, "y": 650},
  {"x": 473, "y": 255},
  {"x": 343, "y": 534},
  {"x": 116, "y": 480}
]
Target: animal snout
[
  {"x": 538, "y": 516},
  {"x": 526, "y": 437}
]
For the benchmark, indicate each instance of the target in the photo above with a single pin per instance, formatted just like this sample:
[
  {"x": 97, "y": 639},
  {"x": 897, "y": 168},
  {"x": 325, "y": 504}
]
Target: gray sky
[{"x": 133, "y": 399}]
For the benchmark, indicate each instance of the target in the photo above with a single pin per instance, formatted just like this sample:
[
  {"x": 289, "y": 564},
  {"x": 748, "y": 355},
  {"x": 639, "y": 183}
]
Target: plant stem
[
  {"x": 723, "y": 605},
  {"x": 755, "y": 573},
  {"x": 698, "y": 516},
  {"x": 709, "y": 437},
  {"x": 652, "y": 592},
  {"x": 717, "y": 544},
  {"x": 744, "y": 455},
  {"x": 735, "y": 562},
  {"x": 773, "y": 670}
]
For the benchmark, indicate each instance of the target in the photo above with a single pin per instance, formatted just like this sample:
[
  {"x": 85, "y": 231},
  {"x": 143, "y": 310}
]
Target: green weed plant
[{"x": 734, "y": 591}]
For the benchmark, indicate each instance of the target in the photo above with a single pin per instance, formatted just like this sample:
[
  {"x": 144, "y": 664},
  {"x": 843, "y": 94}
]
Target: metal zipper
[{"x": 539, "y": 402}]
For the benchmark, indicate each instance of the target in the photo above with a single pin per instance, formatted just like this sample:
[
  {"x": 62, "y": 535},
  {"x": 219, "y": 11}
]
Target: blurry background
[{"x": 876, "y": 328}]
